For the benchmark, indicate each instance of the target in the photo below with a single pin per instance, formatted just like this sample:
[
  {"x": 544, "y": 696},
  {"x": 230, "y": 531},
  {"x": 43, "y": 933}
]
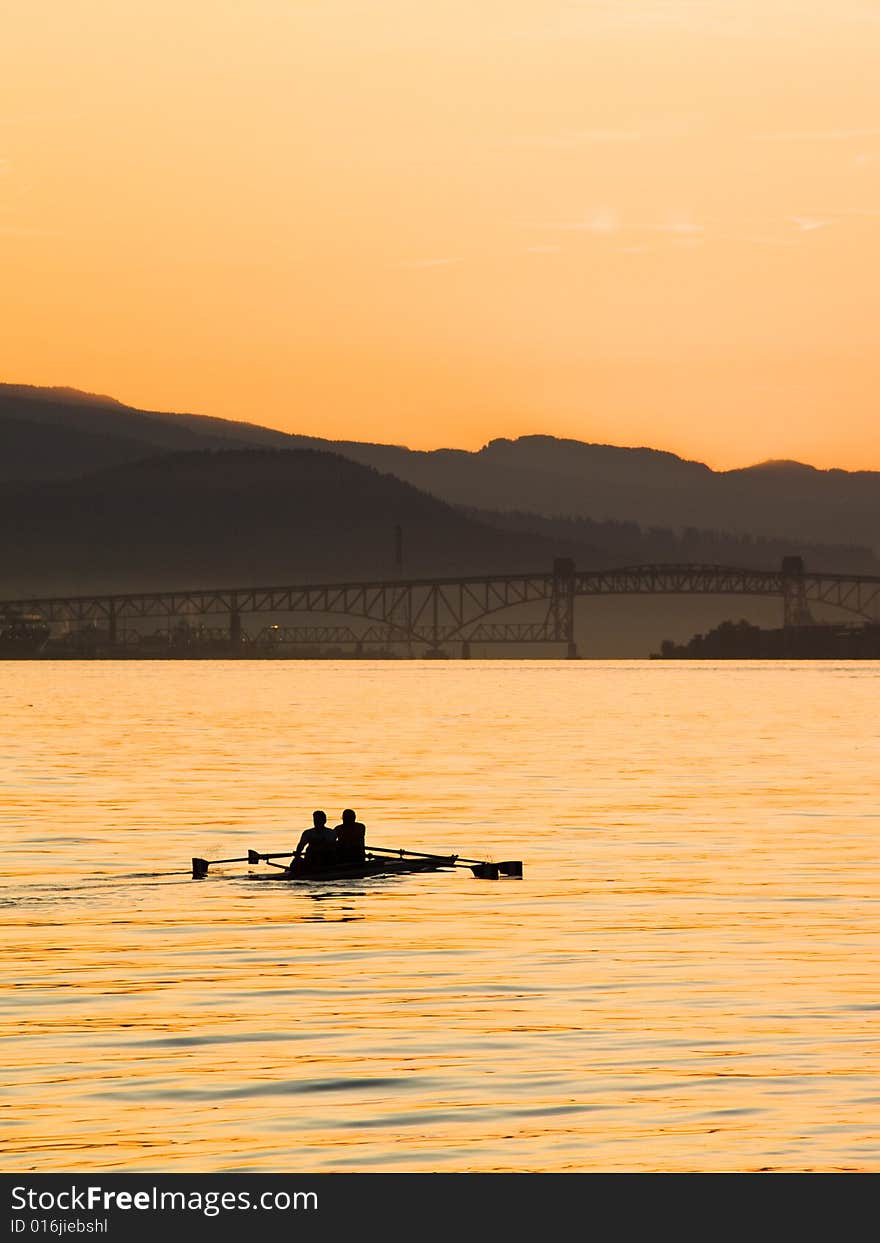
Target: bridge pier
[
  {"x": 795, "y": 611},
  {"x": 465, "y": 650},
  {"x": 235, "y": 629},
  {"x": 562, "y": 604}
]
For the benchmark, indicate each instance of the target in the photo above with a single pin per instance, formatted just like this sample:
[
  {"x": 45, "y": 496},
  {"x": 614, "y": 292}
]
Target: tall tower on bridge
[
  {"x": 562, "y": 604},
  {"x": 400, "y": 616},
  {"x": 794, "y": 593}
]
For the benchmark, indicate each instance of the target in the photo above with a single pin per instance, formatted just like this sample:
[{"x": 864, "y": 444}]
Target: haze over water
[{"x": 685, "y": 978}]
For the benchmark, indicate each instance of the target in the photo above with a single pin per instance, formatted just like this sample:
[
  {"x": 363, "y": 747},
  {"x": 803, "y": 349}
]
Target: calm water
[{"x": 686, "y": 977}]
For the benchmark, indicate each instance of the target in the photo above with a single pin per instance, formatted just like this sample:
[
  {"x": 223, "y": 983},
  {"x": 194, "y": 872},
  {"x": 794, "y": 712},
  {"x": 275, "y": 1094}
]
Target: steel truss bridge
[{"x": 430, "y": 613}]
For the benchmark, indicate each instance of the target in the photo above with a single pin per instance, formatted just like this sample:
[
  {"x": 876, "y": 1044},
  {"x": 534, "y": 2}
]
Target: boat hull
[{"x": 357, "y": 871}]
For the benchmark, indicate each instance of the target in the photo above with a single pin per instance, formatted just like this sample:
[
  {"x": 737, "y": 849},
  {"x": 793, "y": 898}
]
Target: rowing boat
[
  {"x": 380, "y": 861},
  {"x": 358, "y": 871}
]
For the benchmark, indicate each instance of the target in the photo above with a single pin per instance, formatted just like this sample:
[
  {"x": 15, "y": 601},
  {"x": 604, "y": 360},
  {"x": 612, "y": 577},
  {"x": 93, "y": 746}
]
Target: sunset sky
[{"x": 632, "y": 221}]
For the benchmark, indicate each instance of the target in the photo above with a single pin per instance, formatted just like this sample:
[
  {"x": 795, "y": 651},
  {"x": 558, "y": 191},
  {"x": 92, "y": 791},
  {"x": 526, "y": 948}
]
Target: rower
[
  {"x": 319, "y": 844},
  {"x": 350, "y": 837}
]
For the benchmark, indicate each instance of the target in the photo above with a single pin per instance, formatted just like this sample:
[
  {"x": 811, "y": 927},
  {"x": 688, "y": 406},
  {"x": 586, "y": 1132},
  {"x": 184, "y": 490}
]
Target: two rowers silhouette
[{"x": 321, "y": 847}]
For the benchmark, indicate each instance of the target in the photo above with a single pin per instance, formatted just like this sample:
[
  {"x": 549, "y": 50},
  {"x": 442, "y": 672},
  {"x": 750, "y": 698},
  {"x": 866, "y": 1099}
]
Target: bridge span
[{"x": 429, "y": 613}]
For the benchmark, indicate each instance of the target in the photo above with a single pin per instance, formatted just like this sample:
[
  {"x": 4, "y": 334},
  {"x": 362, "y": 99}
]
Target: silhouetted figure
[
  {"x": 350, "y": 837},
  {"x": 319, "y": 844}
]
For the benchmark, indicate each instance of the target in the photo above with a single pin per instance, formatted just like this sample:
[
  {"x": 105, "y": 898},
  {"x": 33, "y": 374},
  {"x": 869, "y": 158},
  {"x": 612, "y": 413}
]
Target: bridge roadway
[{"x": 446, "y": 610}]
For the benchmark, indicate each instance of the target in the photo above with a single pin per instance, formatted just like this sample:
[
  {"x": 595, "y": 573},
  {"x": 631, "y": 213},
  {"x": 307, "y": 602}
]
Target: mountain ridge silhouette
[{"x": 59, "y": 433}]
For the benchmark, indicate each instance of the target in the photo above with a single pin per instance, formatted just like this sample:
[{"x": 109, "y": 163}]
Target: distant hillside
[
  {"x": 58, "y": 433},
  {"x": 240, "y": 517},
  {"x": 627, "y": 543},
  {"x": 571, "y": 479}
]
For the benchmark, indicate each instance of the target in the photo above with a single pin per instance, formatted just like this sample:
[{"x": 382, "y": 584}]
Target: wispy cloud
[
  {"x": 683, "y": 229},
  {"x": 680, "y": 225},
  {"x": 429, "y": 263},
  {"x": 603, "y": 221},
  {"x": 834, "y": 215},
  {"x": 578, "y": 138},
  {"x": 872, "y": 212},
  {"x": 757, "y": 239},
  {"x": 818, "y": 135}
]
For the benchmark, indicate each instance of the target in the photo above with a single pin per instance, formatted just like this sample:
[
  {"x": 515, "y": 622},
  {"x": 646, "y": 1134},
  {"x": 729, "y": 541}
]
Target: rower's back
[
  {"x": 350, "y": 838},
  {"x": 321, "y": 850},
  {"x": 319, "y": 843}
]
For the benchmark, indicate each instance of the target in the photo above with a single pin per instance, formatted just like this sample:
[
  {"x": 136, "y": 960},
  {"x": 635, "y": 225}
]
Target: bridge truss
[{"x": 437, "y": 612}]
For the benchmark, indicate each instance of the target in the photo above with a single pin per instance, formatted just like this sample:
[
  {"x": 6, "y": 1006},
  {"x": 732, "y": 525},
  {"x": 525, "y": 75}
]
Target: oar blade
[
  {"x": 200, "y": 866},
  {"x": 485, "y": 871},
  {"x": 511, "y": 867}
]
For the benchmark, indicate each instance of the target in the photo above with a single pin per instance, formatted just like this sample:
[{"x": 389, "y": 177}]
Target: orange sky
[{"x": 636, "y": 221}]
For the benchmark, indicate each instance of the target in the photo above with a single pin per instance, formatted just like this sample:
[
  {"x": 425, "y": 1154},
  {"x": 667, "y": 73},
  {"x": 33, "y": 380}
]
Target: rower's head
[
  {"x": 348, "y": 816},
  {"x": 319, "y": 818}
]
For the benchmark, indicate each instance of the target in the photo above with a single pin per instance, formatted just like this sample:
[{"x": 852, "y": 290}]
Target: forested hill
[
  {"x": 48, "y": 434},
  {"x": 242, "y": 517}
]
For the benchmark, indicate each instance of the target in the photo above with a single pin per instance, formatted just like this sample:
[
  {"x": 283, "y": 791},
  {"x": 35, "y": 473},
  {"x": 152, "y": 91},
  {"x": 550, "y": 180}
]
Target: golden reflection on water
[{"x": 686, "y": 977}]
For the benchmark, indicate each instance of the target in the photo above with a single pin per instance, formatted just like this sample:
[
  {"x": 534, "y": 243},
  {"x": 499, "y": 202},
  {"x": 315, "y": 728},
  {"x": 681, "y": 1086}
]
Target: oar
[
  {"x": 200, "y": 866},
  {"x": 507, "y": 867},
  {"x": 480, "y": 869}
]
